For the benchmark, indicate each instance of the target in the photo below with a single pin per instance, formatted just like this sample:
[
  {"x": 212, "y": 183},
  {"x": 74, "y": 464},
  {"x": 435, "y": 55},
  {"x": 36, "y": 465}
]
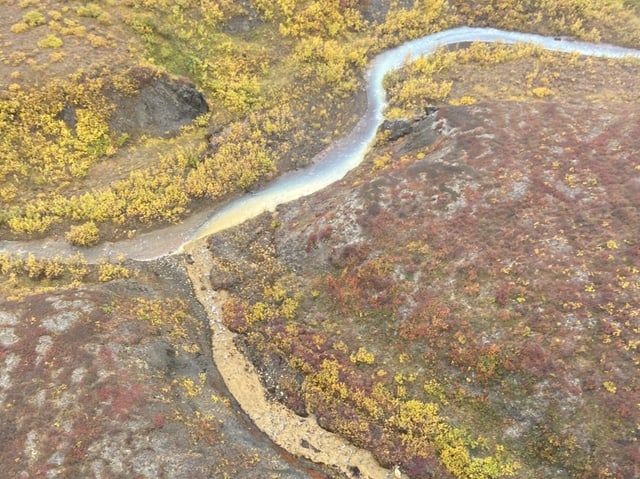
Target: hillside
[{"x": 464, "y": 304}]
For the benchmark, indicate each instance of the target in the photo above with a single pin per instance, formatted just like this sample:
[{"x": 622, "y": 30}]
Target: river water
[{"x": 328, "y": 166}]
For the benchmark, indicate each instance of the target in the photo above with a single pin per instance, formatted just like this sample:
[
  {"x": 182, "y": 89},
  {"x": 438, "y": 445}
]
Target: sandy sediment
[{"x": 301, "y": 436}]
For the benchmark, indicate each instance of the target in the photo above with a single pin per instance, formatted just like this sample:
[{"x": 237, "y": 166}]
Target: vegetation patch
[
  {"x": 465, "y": 305},
  {"x": 20, "y": 275}
]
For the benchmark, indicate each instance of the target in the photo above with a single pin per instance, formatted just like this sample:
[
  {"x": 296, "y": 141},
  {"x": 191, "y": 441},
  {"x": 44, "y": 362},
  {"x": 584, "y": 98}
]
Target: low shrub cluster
[{"x": 19, "y": 274}]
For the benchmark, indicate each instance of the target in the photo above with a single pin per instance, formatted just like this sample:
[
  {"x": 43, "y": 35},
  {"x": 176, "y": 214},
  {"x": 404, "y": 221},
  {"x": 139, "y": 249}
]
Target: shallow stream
[{"x": 330, "y": 165}]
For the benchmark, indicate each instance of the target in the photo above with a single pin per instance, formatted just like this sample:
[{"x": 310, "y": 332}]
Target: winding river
[{"x": 327, "y": 167}]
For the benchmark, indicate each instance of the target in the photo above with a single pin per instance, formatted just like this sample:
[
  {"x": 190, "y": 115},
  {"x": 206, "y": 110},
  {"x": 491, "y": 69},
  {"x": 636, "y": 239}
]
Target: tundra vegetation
[
  {"x": 281, "y": 79},
  {"x": 466, "y": 303},
  {"x": 26, "y": 274},
  {"x": 471, "y": 320},
  {"x": 122, "y": 369}
]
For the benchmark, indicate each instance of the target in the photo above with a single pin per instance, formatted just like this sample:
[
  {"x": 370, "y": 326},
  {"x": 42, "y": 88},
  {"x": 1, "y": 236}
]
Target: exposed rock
[
  {"x": 395, "y": 129},
  {"x": 160, "y": 107},
  {"x": 69, "y": 116}
]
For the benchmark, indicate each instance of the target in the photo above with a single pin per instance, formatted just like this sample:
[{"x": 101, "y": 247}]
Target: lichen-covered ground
[
  {"x": 117, "y": 380},
  {"x": 466, "y": 303}
]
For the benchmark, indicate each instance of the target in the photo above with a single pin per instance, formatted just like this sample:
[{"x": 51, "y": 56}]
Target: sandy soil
[{"x": 298, "y": 435}]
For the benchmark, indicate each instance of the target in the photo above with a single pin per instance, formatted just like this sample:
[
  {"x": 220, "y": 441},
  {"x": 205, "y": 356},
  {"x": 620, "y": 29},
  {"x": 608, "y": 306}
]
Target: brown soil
[{"x": 298, "y": 435}]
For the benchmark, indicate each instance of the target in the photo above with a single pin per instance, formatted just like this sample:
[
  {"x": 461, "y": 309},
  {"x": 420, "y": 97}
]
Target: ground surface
[
  {"x": 485, "y": 265},
  {"x": 464, "y": 304},
  {"x": 118, "y": 381}
]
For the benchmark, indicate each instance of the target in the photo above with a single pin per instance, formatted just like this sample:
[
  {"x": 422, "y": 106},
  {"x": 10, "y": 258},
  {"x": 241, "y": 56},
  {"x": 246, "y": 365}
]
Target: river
[{"x": 330, "y": 165}]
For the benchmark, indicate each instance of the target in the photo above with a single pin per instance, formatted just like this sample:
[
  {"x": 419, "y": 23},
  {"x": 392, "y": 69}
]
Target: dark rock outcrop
[
  {"x": 395, "y": 129},
  {"x": 160, "y": 107}
]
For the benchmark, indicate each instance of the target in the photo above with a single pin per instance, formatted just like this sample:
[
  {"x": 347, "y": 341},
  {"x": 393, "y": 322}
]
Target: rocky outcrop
[
  {"x": 395, "y": 129},
  {"x": 160, "y": 107}
]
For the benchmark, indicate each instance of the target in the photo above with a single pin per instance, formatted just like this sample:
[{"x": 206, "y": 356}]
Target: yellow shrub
[
  {"x": 112, "y": 271},
  {"x": 33, "y": 18},
  {"x": 86, "y": 234},
  {"x": 50, "y": 41},
  {"x": 362, "y": 357},
  {"x": 541, "y": 92},
  {"x": 464, "y": 100},
  {"x": 92, "y": 10},
  {"x": 43, "y": 268},
  {"x": 19, "y": 27}
]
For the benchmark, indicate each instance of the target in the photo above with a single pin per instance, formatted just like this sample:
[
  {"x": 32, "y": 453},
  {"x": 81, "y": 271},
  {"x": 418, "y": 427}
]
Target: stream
[{"x": 328, "y": 166}]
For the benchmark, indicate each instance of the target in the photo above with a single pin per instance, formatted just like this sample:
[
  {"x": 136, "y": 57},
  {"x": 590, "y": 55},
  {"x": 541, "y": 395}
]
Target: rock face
[
  {"x": 395, "y": 129},
  {"x": 160, "y": 107}
]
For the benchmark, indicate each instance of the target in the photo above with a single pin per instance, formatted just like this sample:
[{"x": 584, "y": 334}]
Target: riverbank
[{"x": 301, "y": 436}]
